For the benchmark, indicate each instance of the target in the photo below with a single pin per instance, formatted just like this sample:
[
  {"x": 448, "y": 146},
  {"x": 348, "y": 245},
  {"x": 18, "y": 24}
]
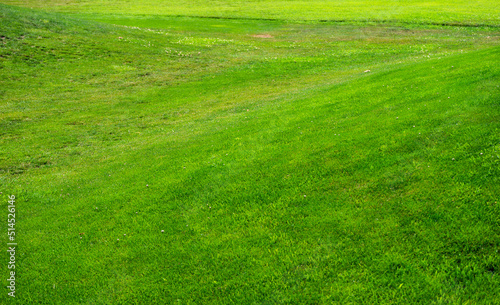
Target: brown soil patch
[{"x": 263, "y": 36}]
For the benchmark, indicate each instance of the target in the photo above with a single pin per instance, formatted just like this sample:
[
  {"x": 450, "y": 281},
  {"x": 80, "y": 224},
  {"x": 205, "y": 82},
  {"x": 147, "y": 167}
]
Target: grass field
[
  {"x": 408, "y": 11},
  {"x": 266, "y": 157}
]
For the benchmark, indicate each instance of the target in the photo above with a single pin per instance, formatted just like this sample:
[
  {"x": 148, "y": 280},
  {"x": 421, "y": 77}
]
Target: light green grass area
[
  {"x": 413, "y": 11},
  {"x": 182, "y": 160}
]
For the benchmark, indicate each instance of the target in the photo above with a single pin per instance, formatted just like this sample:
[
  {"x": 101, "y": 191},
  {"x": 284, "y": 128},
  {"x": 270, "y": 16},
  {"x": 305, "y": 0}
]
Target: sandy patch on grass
[{"x": 263, "y": 36}]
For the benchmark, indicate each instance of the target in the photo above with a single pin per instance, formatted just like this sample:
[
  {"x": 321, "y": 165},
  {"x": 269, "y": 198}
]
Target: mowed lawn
[
  {"x": 161, "y": 158},
  {"x": 407, "y": 11}
]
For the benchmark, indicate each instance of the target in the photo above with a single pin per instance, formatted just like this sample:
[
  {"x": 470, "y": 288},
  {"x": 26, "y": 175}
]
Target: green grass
[
  {"x": 413, "y": 11},
  {"x": 278, "y": 169}
]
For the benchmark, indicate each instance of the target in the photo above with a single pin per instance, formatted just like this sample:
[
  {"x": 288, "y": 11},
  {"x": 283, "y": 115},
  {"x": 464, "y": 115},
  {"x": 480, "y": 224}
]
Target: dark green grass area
[{"x": 273, "y": 163}]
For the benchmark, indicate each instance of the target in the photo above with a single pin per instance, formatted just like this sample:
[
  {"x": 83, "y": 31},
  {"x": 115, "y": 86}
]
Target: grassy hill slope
[{"x": 188, "y": 163}]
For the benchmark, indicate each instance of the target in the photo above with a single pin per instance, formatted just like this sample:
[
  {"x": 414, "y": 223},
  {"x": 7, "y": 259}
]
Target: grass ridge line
[{"x": 348, "y": 21}]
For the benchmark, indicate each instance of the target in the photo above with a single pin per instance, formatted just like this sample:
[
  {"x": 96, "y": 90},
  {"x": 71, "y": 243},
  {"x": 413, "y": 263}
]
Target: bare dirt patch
[{"x": 263, "y": 36}]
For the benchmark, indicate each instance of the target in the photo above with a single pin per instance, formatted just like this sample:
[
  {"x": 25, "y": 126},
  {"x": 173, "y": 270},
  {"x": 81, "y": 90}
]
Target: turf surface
[{"x": 180, "y": 160}]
